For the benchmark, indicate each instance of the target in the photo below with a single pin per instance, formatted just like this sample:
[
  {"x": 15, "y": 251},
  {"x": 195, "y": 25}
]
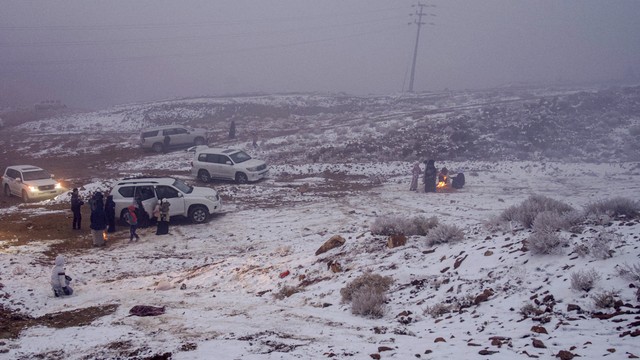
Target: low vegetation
[
  {"x": 396, "y": 225},
  {"x": 367, "y": 294}
]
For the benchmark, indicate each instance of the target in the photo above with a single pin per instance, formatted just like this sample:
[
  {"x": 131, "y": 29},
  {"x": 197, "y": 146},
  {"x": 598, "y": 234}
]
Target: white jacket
[{"x": 58, "y": 279}]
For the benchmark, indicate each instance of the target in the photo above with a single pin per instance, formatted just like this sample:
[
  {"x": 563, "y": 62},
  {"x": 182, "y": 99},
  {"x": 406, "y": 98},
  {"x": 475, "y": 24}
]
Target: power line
[
  {"x": 167, "y": 25},
  {"x": 192, "y": 55},
  {"x": 186, "y": 38}
]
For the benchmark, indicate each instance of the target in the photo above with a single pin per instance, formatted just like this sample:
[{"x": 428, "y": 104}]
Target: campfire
[{"x": 443, "y": 183}]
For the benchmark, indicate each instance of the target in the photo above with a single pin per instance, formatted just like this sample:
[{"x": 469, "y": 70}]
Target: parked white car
[
  {"x": 196, "y": 203},
  {"x": 30, "y": 183},
  {"x": 164, "y": 138},
  {"x": 227, "y": 164}
]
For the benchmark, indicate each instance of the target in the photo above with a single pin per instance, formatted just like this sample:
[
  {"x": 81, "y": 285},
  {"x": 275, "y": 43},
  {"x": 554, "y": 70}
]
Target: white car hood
[
  {"x": 251, "y": 163},
  {"x": 40, "y": 182},
  {"x": 203, "y": 191}
]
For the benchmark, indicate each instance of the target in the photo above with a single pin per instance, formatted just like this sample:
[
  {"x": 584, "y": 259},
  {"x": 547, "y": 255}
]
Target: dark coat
[
  {"x": 430, "y": 173},
  {"x": 76, "y": 202},
  {"x": 98, "y": 216}
]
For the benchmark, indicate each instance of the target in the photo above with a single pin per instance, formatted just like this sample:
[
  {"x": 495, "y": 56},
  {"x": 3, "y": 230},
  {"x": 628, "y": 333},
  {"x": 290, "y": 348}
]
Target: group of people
[
  {"x": 103, "y": 216},
  {"x": 432, "y": 177}
]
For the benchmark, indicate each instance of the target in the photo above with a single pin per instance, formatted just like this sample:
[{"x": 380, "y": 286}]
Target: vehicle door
[
  {"x": 174, "y": 196},
  {"x": 147, "y": 195},
  {"x": 14, "y": 180},
  {"x": 226, "y": 166},
  {"x": 181, "y": 136},
  {"x": 209, "y": 162}
]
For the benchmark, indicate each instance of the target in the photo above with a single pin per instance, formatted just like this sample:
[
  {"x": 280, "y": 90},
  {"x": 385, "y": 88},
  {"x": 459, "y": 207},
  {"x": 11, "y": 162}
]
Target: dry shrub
[
  {"x": 286, "y": 291},
  {"x": 443, "y": 233},
  {"x": 618, "y": 206},
  {"x": 377, "y": 282},
  {"x": 437, "y": 310},
  {"x": 545, "y": 243},
  {"x": 529, "y": 310},
  {"x": 629, "y": 272},
  {"x": 528, "y": 210},
  {"x": 584, "y": 280},
  {"x": 368, "y": 301},
  {"x": 606, "y": 299},
  {"x": 396, "y": 224},
  {"x": 552, "y": 220}
]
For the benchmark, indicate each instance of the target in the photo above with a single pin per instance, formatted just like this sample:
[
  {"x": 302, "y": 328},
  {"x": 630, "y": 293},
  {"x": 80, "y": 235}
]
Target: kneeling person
[{"x": 59, "y": 280}]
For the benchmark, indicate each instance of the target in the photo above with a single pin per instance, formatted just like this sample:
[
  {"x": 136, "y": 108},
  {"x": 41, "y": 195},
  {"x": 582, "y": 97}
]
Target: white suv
[
  {"x": 196, "y": 203},
  {"x": 30, "y": 182},
  {"x": 228, "y": 164},
  {"x": 163, "y": 138}
]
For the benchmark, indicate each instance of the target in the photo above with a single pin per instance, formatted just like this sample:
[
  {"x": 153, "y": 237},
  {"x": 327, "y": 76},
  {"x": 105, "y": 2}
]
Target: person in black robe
[
  {"x": 110, "y": 212},
  {"x": 430, "y": 174}
]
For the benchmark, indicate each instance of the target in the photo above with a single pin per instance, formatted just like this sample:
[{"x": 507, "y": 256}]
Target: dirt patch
[{"x": 14, "y": 322}]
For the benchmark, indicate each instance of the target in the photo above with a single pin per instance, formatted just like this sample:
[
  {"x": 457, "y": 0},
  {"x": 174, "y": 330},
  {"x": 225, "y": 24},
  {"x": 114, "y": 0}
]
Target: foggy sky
[{"x": 99, "y": 53}]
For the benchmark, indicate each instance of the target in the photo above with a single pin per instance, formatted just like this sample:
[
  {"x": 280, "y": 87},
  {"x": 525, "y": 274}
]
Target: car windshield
[
  {"x": 182, "y": 186},
  {"x": 239, "y": 157},
  {"x": 35, "y": 175}
]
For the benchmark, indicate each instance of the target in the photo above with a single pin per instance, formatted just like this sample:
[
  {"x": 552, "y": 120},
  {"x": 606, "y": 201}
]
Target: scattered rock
[
  {"x": 574, "y": 307},
  {"x": 334, "y": 242},
  {"x": 565, "y": 355},
  {"x": 183, "y": 286},
  {"x": 483, "y": 297},
  {"x": 396, "y": 240},
  {"x": 384, "y": 348},
  {"x": 538, "y": 344},
  {"x": 458, "y": 262},
  {"x": 539, "y": 329},
  {"x": 487, "y": 352},
  {"x": 334, "y": 266},
  {"x": 488, "y": 253},
  {"x": 439, "y": 339},
  {"x": 164, "y": 285},
  {"x": 375, "y": 356}
]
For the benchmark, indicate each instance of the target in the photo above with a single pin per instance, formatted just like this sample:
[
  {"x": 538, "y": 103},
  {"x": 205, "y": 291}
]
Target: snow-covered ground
[{"x": 218, "y": 281}]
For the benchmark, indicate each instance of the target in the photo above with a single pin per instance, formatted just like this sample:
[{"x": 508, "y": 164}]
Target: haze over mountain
[{"x": 94, "y": 54}]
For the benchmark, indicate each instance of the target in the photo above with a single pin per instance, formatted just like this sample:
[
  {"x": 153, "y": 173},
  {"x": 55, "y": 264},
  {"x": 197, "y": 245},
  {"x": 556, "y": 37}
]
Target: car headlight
[
  {"x": 58, "y": 186},
  {"x": 33, "y": 188},
  {"x": 213, "y": 197},
  {"x": 255, "y": 168}
]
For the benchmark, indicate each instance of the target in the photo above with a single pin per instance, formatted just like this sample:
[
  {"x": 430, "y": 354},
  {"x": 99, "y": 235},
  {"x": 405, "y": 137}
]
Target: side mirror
[
  {"x": 228, "y": 163},
  {"x": 18, "y": 180}
]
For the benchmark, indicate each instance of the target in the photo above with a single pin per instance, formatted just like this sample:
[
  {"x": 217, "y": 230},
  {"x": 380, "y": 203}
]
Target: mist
[{"x": 96, "y": 54}]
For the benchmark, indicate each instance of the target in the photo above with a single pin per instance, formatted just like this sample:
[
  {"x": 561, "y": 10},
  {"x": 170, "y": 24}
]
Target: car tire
[
  {"x": 158, "y": 147},
  {"x": 198, "y": 141},
  {"x": 241, "y": 178},
  {"x": 7, "y": 191},
  {"x": 198, "y": 214},
  {"x": 25, "y": 196},
  {"x": 204, "y": 176},
  {"x": 122, "y": 219}
]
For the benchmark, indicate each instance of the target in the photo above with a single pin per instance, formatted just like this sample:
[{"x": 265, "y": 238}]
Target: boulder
[{"x": 334, "y": 242}]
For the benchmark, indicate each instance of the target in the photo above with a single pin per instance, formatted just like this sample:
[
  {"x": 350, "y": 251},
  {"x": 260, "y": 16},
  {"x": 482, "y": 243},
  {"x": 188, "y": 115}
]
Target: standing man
[{"x": 76, "y": 203}]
